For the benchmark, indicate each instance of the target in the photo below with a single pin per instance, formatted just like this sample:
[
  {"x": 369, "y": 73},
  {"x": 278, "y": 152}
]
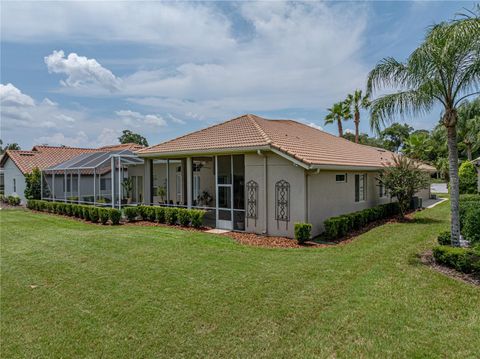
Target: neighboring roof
[
  {"x": 123, "y": 146},
  {"x": 301, "y": 142},
  {"x": 42, "y": 156},
  {"x": 47, "y": 156}
]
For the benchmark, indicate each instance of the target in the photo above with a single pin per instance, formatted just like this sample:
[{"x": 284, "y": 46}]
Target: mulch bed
[{"x": 427, "y": 259}]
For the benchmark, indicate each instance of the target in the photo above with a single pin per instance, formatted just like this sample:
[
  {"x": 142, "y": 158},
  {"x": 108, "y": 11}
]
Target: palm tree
[
  {"x": 444, "y": 69},
  {"x": 338, "y": 112},
  {"x": 355, "y": 102},
  {"x": 469, "y": 126}
]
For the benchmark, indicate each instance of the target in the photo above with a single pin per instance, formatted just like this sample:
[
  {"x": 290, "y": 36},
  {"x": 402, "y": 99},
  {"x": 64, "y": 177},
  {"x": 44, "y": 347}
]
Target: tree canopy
[{"x": 131, "y": 137}]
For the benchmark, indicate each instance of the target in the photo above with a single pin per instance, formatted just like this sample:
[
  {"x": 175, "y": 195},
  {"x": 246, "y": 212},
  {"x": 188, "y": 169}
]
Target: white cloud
[
  {"x": 136, "y": 119},
  {"x": 11, "y": 96},
  {"x": 81, "y": 71},
  {"x": 314, "y": 125},
  {"x": 176, "y": 119},
  {"x": 58, "y": 139}
]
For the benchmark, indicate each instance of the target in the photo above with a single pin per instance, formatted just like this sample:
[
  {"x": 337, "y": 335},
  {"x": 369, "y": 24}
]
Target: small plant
[
  {"x": 196, "y": 217},
  {"x": 161, "y": 192},
  {"x": 444, "y": 238},
  {"x": 86, "y": 213},
  {"x": 127, "y": 185},
  {"x": 302, "y": 232},
  {"x": 115, "y": 215},
  {"x": 131, "y": 213},
  {"x": 183, "y": 215},
  {"x": 103, "y": 215},
  {"x": 159, "y": 214},
  {"x": 93, "y": 213},
  {"x": 171, "y": 215},
  {"x": 13, "y": 200}
]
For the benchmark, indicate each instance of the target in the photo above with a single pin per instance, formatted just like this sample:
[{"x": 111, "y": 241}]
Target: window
[
  {"x": 14, "y": 185},
  {"x": 381, "y": 190},
  {"x": 360, "y": 187},
  {"x": 341, "y": 178},
  {"x": 179, "y": 184},
  {"x": 196, "y": 187},
  {"x": 103, "y": 184}
]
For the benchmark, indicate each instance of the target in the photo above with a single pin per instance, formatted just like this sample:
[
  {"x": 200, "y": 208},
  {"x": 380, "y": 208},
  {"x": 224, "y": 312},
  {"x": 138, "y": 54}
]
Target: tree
[
  {"x": 355, "y": 102},
  {"x": 418, "y": 146},
  {"x": 444, "y": 69},
  {"x": 469, "y": 127},
  {"x": 403, "y": 180},
  {"x": 33, "y": 184},
  {"x": 468, "y": 177},
  {"x": 131, "y": 137},
  {"x": 8, "y": 146},
  {"x": 364, "y": 139},
  {"x": 395, "y": 135},
  {"x": 338, "y": 112}
]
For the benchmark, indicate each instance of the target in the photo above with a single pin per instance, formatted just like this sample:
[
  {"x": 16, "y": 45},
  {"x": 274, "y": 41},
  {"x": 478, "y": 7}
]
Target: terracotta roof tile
[{"x": 305, "y": 143}]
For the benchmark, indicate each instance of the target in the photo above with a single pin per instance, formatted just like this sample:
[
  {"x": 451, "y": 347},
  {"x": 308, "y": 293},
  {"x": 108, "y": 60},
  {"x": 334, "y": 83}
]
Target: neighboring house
[
  {"x": 476, "y": 163},
  {"x": 263, "y": 176},
  {"x": 15, "y": 164}
]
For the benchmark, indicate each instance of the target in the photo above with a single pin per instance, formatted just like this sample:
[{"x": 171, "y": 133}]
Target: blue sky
[{"x": 79, "y": 73}]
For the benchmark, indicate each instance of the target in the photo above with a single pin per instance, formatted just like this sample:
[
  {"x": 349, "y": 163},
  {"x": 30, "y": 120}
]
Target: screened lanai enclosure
[{"x": 109, "y": 178}]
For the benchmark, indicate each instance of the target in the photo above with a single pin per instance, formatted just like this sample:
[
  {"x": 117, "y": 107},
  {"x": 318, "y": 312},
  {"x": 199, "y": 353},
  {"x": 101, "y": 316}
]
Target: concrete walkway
[{"x": 430, "y": 203}]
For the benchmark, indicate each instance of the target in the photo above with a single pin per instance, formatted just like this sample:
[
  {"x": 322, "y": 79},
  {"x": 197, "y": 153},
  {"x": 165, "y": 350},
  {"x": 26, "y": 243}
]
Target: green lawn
[{"x": 144, "y": 292}]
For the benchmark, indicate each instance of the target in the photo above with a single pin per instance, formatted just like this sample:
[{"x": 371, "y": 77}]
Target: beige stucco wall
[{"x": 278, "y": 169}]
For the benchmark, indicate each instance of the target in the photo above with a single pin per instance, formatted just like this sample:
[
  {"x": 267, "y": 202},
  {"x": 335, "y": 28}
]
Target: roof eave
[{"x": 213, "y": 151}]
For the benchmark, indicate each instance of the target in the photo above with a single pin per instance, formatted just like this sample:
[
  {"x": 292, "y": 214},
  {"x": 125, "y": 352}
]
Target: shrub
[
  {"x": 470, "y": 197},
  {"x": 171, "y": 215},
  {"x": 183, "y": 216},
  {"x": 196, "y": 217},
  {"x": 159, "y": 214},
  {"x": 93, "y": 213},
  {"x": 131, "y": 213},
  {"x": 76, "y": 210},
  {"x": 103, "y": 215},
  {"x": 464, "y": 209},
  {"x": 444, "y": 238},
  {"x": 33, "y": 184},
  {"x": 86, "y": 213},
  {"x": 464, "y": 260},
  {"x": 53, "y": 207},
  {"x": 142, "y": 212},
  {"x": 339, "y": 226},
  {"x": 13, "y": 200},
  {"x": 115, "y": 215},
  {"x": 302, "y": 232},
  {"x": 471, "y": 228},
  {"x": 467, "y": 176},
  {"x": 68, "y": 209}
]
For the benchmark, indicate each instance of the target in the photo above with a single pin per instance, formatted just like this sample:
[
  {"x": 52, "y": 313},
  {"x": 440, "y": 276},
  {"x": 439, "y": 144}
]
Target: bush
[
  {"x": 302, "y": 232},
  {"x": 470, "y": 197},
  {"x": 171, "y": 215},
  {"x": 159, "y": 214},
  {"x": 115, "y": 215},
  {"x": 465, "y": 208},
  {"x": 464, "y": 260},
  {"x": 196, "y": 217},
  {"x": 467, "y": 176},
  {"x": 142, "y": 212},
  {"x": 86, "y": 213},
  {"x": 339, "y": 226},
  {"x": 76, "y": 210},
  {"x": 444, "y": 238},
  {"x": 183, "y": 216},
  {"x": 471, "y": 228},
  {"x": 93, "y": 213},
  {"x": 13, "y": 200},
  {"x": 104, "y": 215},
  {"x": 131, "y": 213}
]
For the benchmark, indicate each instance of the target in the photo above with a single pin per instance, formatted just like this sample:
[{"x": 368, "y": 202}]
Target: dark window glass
[
  {"x": 238, "y": 182},
  {"x": 239, "y": 220},
  {"x": 224, "y": 169},
  {"x": 340, "y": 178}
]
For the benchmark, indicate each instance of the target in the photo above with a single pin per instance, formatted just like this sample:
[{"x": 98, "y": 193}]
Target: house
[
  {"x": 476, "y": 163},
  {"x": 262, "y": 176},
  {"x": 15, "y": 164}
]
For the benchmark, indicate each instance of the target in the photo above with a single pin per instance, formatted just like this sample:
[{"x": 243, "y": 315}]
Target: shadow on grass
[{"x": 426, "y": 220}]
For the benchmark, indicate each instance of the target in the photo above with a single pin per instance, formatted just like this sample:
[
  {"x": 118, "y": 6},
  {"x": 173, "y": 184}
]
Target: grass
[{"x": 71, "y": 289}]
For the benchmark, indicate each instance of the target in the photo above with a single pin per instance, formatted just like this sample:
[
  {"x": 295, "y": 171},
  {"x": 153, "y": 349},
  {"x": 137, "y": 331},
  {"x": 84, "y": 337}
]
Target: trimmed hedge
[
  {"x": 444, "y": 238},
  {"x": 464, "y": 260},
  {"x": 471, "y": 228},
  {"x": 13, "y": 200},
  {"x": 339, "y": 226},
  {"x": 302, "y": 232},
  {"x": 470, "y": 198},
  {"x": 170, "y": 215},
  {"x": 89, "y": 213}
]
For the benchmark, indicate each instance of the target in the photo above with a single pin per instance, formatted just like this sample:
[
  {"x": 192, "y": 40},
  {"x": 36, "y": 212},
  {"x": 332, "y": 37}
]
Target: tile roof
[
  {"x": 302, "y": 142},
  {"x": 48, "y": 156},
  {"x": 42, "y": 156}
]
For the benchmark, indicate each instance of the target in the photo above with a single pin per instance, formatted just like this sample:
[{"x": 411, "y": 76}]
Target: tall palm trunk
[
  {"x": 454, "y": 182},
  {"x": 340, "y": 127},
  {"x": 357, "y": 123}
]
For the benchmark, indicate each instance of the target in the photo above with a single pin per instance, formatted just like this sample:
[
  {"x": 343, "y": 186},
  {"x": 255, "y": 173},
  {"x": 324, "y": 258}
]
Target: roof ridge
[
  {"x": 253, "y": 119},
  {"x": 67, "y": 147},
  {"x": 189, "y": 133}
]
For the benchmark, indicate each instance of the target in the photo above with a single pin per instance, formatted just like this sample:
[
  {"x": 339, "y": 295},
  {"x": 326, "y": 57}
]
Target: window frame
[
  {"x": 344, "y": 178},
  {"x": 358, "y": 198}
]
